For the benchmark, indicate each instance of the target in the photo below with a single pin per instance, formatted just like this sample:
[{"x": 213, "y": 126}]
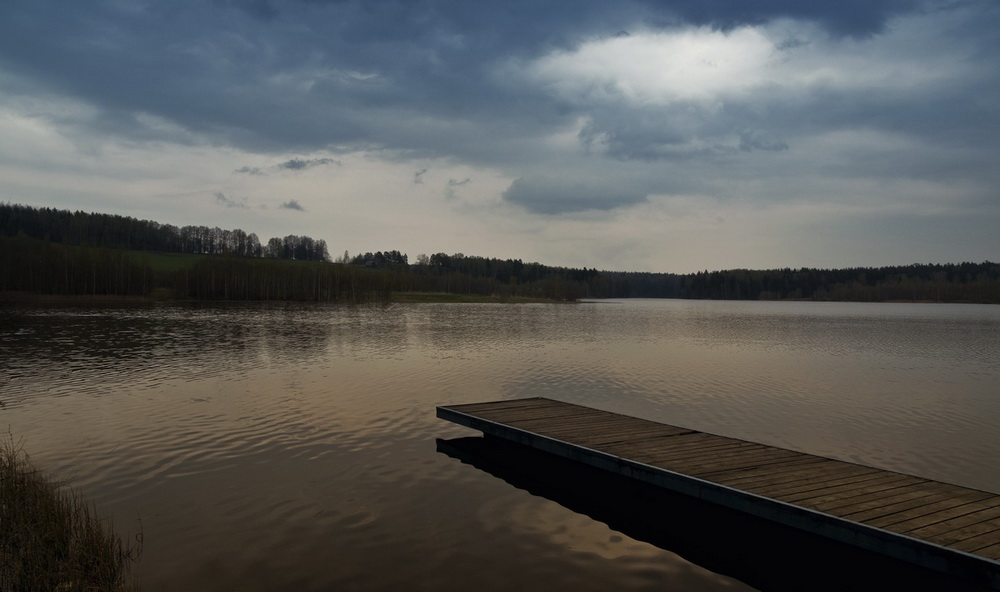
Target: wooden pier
[{"x": 947, "y": 528}]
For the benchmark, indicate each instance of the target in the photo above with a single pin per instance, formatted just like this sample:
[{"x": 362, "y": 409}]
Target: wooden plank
[
  {"x": 680, "y": 447},
  {"x": 956, "y": 536},
  {"x": 537, "y": 416},
  {"x": 710, "y": 464},
  {"x": 622, "y": 436},
  {"x": 873, "y": 501},
  {"x": 833, "y": 494},
  {"x": 540, "y": 407},
  {"x": 983, "y": 535},
  {"x": 694, "y": 439},
  {"x": 941, "y": 526},
  {"x": 708, "y": 468},
  {"x": 709, "y": 473},
  {"x": 991, "y": 552},
  {"x": 863, "y": 498},
  {"x": 807, "y": 468},
  {"x": 698, "y": 466},
  {"x": 933, "y": 532},
  {"x": 704, "y": 445},
  {"x": 922, "y": 502},
  {"x": 756, "y": 478},
  {"x": 947, "y": 511},
  {"x": 496, "y": 406},
  {"x": 584, "y": 423},
  {"x": 684, "y": 447},
  {"x": 811, "y": 481}
]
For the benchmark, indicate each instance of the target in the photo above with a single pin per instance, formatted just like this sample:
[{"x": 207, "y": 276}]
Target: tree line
[
  {"x": 48, "y": 251},
  {"x": 960, "y": 282},
  {"x": 36, "y": 266},
  {"x": 123, "y": 232},
  {"x": 42, "y": 267},
  {"x": 482, "y": 276},
  {"x": 952, "y": 282}
]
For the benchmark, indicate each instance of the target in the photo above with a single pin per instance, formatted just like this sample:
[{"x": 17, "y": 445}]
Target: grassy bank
[
  {"x": 53, "y": 540},
  {"x": 165, "y": 262}
]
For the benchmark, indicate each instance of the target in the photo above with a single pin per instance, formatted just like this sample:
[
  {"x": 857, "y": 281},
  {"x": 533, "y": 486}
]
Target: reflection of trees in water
[
  {"x": 82, "y": 348},
  {"x": 292, "y": 332},
  {"x": 462, "y": 327},
  {"x": 372, "y": 331},
  {"x": 76, "y": 350}
]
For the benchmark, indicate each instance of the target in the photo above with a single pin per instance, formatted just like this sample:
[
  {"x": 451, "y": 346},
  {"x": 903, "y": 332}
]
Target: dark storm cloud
[
  {"x": 559, "y": 196},
  {"x": 299, "y": 164},
  {"x": 222, "y": 199},
  {"x": 294, "y": 164},
  {"x": 248, "y": 170},
  {"x": 449, "y": 190},
  {"x": 292, "y": 205},
  {"x": 262, "y": 9},
  {"x": 676, "y": 132},
  {"x": 685, "y": 130},
  {"x": 847, "y": 17},
  {"x": 755, "y": 140}
]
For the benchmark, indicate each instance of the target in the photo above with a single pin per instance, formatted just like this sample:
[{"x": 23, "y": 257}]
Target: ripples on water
[{"x": 273, "y": 447}]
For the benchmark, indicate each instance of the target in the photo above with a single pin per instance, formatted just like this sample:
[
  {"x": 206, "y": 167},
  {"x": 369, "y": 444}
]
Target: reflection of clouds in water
[
  {"x": 938, "y": 332},
  {"x": 459, "y": 329},
  {"x": 548, "y": 529}
]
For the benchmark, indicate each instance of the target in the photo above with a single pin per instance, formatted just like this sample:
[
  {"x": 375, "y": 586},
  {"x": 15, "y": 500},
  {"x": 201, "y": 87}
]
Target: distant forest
[
  {"x": 48, "y": 251},
  {"x": 121, "y": 232}
]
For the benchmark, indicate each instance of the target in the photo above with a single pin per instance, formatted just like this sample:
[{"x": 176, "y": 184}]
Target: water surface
[{"x": 292, "y": 447}]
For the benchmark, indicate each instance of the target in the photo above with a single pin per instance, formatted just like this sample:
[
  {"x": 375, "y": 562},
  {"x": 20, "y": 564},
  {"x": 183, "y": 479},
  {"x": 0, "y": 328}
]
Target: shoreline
[{"x": 25, "y": 300}]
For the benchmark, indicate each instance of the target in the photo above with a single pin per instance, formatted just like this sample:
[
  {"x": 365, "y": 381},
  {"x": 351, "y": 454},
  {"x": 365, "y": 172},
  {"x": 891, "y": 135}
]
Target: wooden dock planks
[{"x": 945, "y": 527}]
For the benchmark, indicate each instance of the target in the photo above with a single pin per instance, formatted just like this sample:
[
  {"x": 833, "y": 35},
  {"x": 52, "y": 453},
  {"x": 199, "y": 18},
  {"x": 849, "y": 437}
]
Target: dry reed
[{"x": 51, "y": 539}]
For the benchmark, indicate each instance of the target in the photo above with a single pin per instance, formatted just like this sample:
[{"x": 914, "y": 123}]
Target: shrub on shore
[{"x": 53, "y": 540}]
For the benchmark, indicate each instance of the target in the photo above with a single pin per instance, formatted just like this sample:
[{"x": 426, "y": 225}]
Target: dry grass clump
[{"x": 53, "y": 540}]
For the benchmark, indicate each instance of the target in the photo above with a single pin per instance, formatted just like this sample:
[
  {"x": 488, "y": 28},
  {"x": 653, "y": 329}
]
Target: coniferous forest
[{"x": 44, "y": 251}]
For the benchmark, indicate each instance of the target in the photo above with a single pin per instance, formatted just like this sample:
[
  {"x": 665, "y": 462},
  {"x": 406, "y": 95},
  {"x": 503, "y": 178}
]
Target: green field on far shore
[{"x": 165, "y": 262}]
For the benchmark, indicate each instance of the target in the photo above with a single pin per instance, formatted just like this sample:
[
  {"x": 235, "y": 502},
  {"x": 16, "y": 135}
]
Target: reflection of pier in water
[{"x": 641, "y": 465}]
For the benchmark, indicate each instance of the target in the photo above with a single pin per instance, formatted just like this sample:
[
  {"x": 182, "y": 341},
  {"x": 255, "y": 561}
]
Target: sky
[{"x": 663, "y": 136}]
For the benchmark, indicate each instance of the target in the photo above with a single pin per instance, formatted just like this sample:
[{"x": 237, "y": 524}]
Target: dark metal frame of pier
[{"x": 950, "y": 529}]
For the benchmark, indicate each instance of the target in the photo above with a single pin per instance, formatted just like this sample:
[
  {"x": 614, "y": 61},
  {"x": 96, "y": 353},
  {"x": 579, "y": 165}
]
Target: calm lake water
[{"x": 293, "y": 447}]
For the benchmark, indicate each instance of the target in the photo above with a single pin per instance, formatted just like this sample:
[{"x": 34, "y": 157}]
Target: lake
[{"x": 294, "y": 446}]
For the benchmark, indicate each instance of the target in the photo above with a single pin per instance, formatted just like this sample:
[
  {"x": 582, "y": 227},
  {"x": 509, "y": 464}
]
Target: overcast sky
[{"x": 643, "y": 136}]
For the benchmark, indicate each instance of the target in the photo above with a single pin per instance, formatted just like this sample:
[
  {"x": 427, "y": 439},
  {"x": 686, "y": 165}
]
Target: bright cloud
[
  {"x": 657, "y": 68},
  {"x": 651, "y": 67}
]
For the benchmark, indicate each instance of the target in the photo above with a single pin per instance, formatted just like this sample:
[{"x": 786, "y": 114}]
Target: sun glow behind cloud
[
  {"x": 654, "y": 68},
  {"x": 706, "y": 65}
]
